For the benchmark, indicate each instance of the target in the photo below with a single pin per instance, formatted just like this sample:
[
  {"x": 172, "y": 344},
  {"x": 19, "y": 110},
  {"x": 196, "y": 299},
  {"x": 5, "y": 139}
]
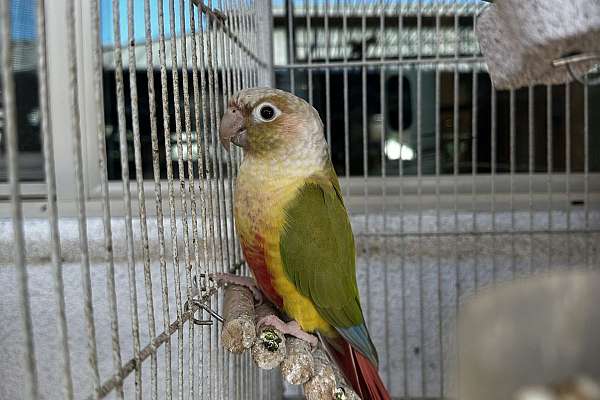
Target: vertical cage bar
[
  {"x": 531, "y": 155},
  {"x": 232, "y": 87},
  {"x": 141, "y": 196},
  {"x": 246, "y": 22},
  {"x": 308, "y": 47},
  {"x": 438, "y": 222},
  {"x": 256, "y": 14},
  {"x": 512, "y": 161},
  {"x": 80, "y": 195},
  {"x": 9, "y": 100},
  {"x": 158, "y": 195},
  {"x": 218, "y": 72},
  {"x": 266, "y": 37},
  {"x": 291, "y": 43},
  {"x": 549, "y": 170},
  {"x": 402, "y": 205},
  {"x": 227, "y": 211},
  {"x": 586, "y": 173},
  {"x": 200, "y": 120},
  {"x": 328, "y": 77},
  {"x": 208, "y": 119},
  {"x": 225, "y": 216},
  {"x": 421, "y": 284},
  {"x": 235, "y": 60},
  {"x": 216, "y": 173},
  {"x": 456, "y": 161},
  {"x": 213, "y": 68},
  {"x": 133, "y": 308},
  {"x": 171, "y": 191},
  {"x": 237, "y": 32},
  {"x": 365, "y": 160},
  {"x": 246, "y": 40},
  {"x": 49, "y": 173},
  {"x": 190, "y": 267},
  {"x": 193, "y": 267},
  {"x": 568, "y": 168},
  {"x": 346, "y": 109},
  {"x": 455, "y": 145},
  {"x": 474, "y": 191},
  {"x": 474, "y": 167},
  {"x": 253, "y": 40},
  {"x": 204, "y": 165},
  {"x": 106, "y": 214},
  {"x": 493, "y": 175},
  {"x": 383, "y": 139},
  {"x": 182, "y": 195}
]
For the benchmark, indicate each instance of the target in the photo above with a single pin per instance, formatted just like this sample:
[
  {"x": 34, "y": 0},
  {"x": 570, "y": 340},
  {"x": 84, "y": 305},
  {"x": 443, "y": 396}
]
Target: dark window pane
[
  {"x": 111, "y": 116},
  {"x": 24, "y": 52},
  {"x": 464, "y": 128},
  {"x": 465, "y": 125}
]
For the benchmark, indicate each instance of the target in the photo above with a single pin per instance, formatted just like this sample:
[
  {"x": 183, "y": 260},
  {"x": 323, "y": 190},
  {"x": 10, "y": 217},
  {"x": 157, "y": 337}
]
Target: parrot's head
[{"x": 266, "y": 121}]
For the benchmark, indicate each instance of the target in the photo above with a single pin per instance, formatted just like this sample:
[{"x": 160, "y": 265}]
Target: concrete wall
[{"x": 410, "y": 285}]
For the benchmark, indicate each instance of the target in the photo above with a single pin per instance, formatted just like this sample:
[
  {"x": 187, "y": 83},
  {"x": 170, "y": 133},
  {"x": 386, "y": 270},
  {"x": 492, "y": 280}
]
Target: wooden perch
[
  {"x": 269, "y": 349},
  {"x": 322, "y": 385},
  {"x": 239, "y": 331},
  {"x": 342, "y": 391},
  {"x": 298, "y": 367}
]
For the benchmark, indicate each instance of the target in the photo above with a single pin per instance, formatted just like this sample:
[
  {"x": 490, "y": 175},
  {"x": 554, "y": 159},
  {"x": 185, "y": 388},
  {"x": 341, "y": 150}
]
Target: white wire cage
[
  {"x": 116, "y": 310},
  {"x": 452, "y": 186}
]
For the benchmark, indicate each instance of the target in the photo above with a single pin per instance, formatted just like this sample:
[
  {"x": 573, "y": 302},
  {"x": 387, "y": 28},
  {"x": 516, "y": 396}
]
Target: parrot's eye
[{"x": 266, "y": 112}]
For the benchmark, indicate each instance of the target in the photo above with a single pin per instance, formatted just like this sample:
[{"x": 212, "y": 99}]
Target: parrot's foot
[
  {"x": 291, "y": 328},
  {"x": 245, "y": 281}
]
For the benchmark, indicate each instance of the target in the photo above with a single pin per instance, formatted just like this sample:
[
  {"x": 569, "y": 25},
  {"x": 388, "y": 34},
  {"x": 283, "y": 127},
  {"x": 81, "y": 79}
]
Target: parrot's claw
[
  {"x": 291, "y": 328},
  {"x": 222, "y": 279}
]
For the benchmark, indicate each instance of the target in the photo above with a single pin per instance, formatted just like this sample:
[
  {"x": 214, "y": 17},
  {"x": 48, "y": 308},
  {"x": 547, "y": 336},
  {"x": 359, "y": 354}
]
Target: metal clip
[
  {"x": 201, "y": 302},
  {"x": 205, "y": 307},
  {"x": 568, "y": 61}
]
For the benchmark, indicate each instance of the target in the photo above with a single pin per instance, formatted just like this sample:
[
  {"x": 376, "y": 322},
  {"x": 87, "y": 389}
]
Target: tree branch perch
[
  {"x": 270, "y": 348},
  {"x": 239, "y": 332}
]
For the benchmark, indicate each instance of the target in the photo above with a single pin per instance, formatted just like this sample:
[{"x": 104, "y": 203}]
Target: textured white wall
[{"x": 430, "y": 267}]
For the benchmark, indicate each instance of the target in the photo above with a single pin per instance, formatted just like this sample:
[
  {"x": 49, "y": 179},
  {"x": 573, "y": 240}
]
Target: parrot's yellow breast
[{"x": 260, "y": 216}]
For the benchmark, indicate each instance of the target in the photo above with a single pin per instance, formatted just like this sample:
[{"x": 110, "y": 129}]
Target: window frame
[{"x": 60, "y": 112}]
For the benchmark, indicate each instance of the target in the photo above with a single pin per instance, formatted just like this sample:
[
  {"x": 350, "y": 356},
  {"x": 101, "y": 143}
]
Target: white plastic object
[{"x": 521, "y": 39}]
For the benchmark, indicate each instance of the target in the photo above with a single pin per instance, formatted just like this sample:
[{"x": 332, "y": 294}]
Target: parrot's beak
[{"x": 232, "y": 128}]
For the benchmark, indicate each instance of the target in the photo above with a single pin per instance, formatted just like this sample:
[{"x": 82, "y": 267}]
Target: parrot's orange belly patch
[
  {"x": 279, "y": 290},
  {"x": 259, "y": 220},
  {"x": 255, "y": 257}
]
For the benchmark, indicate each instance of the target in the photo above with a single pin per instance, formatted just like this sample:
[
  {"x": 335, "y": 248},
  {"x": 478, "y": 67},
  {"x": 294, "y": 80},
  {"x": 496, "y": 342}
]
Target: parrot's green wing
[{"x": 317, "y": 250}]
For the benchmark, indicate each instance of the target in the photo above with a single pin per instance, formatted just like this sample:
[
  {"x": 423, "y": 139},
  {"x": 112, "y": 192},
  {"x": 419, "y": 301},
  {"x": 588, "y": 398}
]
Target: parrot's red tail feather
[{"x": 358, "y": 370}]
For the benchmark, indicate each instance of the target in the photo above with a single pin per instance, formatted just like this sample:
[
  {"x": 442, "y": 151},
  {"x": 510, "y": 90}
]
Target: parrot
[{"x": 295, "y": 231}]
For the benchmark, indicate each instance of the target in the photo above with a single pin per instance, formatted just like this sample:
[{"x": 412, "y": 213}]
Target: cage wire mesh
[
  {"x": 452, "y": 186},
  {"x": 118, "y": 299}
]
